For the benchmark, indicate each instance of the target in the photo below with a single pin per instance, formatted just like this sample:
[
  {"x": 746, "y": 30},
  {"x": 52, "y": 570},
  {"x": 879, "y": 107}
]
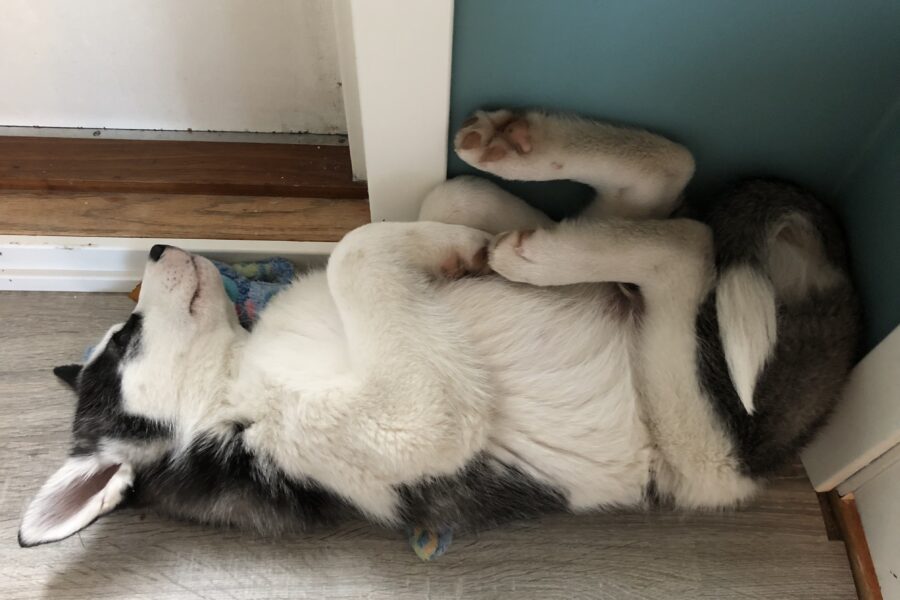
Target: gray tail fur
[{"x": 778, "y": 335}]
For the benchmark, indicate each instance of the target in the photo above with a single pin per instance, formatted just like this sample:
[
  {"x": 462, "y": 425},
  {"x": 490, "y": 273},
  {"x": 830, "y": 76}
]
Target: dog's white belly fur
[
  {"x": 559, "y": 402},
  {"x": 566, "y": 409}
]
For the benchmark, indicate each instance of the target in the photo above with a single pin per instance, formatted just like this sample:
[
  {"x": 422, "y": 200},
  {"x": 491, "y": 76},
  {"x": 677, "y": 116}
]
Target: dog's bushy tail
[
  {"x": 782, "y": 230},
  {"x": 785, "y": 318}
]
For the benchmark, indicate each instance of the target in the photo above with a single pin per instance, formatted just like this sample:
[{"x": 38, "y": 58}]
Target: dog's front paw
[
  {"x": 519, "y": 256},
  {"x": 458, "y": 265},
  {"x": 469, "y": 256}
]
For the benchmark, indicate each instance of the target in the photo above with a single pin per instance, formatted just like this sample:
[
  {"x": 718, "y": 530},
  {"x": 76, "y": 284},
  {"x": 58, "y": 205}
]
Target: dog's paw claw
[{"x": 512, "y": 256}]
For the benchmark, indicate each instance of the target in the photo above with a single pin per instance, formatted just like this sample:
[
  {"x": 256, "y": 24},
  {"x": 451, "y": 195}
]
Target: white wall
[{"x": 229, "y": 65}]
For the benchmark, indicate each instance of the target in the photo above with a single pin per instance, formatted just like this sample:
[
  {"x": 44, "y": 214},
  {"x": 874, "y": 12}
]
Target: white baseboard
[
  {"x": 866, "y": 423},
  {"x": 102, "y": 264}
]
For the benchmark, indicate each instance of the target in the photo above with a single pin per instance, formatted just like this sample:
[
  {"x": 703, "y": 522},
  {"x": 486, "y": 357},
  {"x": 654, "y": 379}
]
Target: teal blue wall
[
  {"x": 795, "y": 88},
  {"x": 870, "y": 209}
]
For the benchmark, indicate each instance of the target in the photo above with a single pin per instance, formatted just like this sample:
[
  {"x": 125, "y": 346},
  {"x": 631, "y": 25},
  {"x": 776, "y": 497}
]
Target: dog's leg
[
  {"x": 382, "y": 278},
  {"x": 653, "y": 254},
  {"x": 635, "y": 174},
  {"x": 418, "y": 398},
  {"x": 672, "y": 262},
  {"x": 478, "y": 203}
]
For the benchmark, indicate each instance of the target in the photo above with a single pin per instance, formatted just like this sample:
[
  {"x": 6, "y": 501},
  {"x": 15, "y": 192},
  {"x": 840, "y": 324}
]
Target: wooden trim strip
[
  {"x": 861, "y": 565},
  {"x": 147, "y": 215},
  {"x": 177, "y": 167}
]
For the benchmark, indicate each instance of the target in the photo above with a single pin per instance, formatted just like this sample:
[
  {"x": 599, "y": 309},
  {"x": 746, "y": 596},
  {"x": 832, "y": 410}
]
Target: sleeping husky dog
[{"x": 482, "y": 364}]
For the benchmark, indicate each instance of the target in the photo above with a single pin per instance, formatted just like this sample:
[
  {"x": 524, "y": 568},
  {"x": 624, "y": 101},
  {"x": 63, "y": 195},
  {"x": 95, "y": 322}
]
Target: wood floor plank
[
  {"x": 177, "y": 167},
  {"x": 775, "y": 547},
  {"x": 179, "y": 216}
]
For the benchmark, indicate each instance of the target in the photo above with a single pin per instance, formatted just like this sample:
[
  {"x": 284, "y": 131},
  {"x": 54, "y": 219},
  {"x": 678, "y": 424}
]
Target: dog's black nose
[{"x": 156, "y": 251}]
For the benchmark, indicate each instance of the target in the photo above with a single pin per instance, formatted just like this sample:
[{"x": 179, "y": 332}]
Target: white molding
[
  {"x": 400, "y": 52},
  {"x": 866, "y": 423},
  {"x": 870, "y": 471},
  {"x": 102, "y": 133},
  {"x": 95, "y": 264}
]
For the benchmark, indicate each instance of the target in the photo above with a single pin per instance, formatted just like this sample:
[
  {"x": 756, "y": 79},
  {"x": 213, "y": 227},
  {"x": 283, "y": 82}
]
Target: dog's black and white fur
[{"x": 606, "y": 361}]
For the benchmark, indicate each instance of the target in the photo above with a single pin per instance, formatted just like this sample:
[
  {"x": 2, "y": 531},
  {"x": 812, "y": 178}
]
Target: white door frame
[{"x": 395, "y": 66}]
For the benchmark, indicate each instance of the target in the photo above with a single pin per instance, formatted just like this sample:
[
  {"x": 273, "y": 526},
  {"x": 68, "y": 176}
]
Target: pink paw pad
[
  {"x": 471, "y": 140},
  {"x": 493, "y": 153},
  {"x": 517, "y": 133}
]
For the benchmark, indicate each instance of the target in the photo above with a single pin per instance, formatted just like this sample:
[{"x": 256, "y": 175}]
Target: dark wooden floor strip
[{"x": 152, "y": 166}]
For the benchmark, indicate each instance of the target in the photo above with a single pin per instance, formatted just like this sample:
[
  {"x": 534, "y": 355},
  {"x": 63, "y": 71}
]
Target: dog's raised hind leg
[{"x": 635, "y": 173}]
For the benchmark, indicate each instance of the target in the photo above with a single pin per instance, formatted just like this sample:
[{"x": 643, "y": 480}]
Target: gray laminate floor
[{"x": 775, "y": 548}]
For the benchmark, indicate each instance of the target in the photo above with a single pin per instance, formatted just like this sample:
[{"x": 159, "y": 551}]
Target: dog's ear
[
  {"x": 83, "y": 489},
  {"x": 68, "y": 374}
]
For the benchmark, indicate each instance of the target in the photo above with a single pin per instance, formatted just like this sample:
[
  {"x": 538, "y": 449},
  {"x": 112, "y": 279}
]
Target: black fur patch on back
[
  {"x": 99, "y": 413},
  {"x": 219, "y": 481},
  {"x": 716, "y": 381},
  {"x": 485, "y": 493}
]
